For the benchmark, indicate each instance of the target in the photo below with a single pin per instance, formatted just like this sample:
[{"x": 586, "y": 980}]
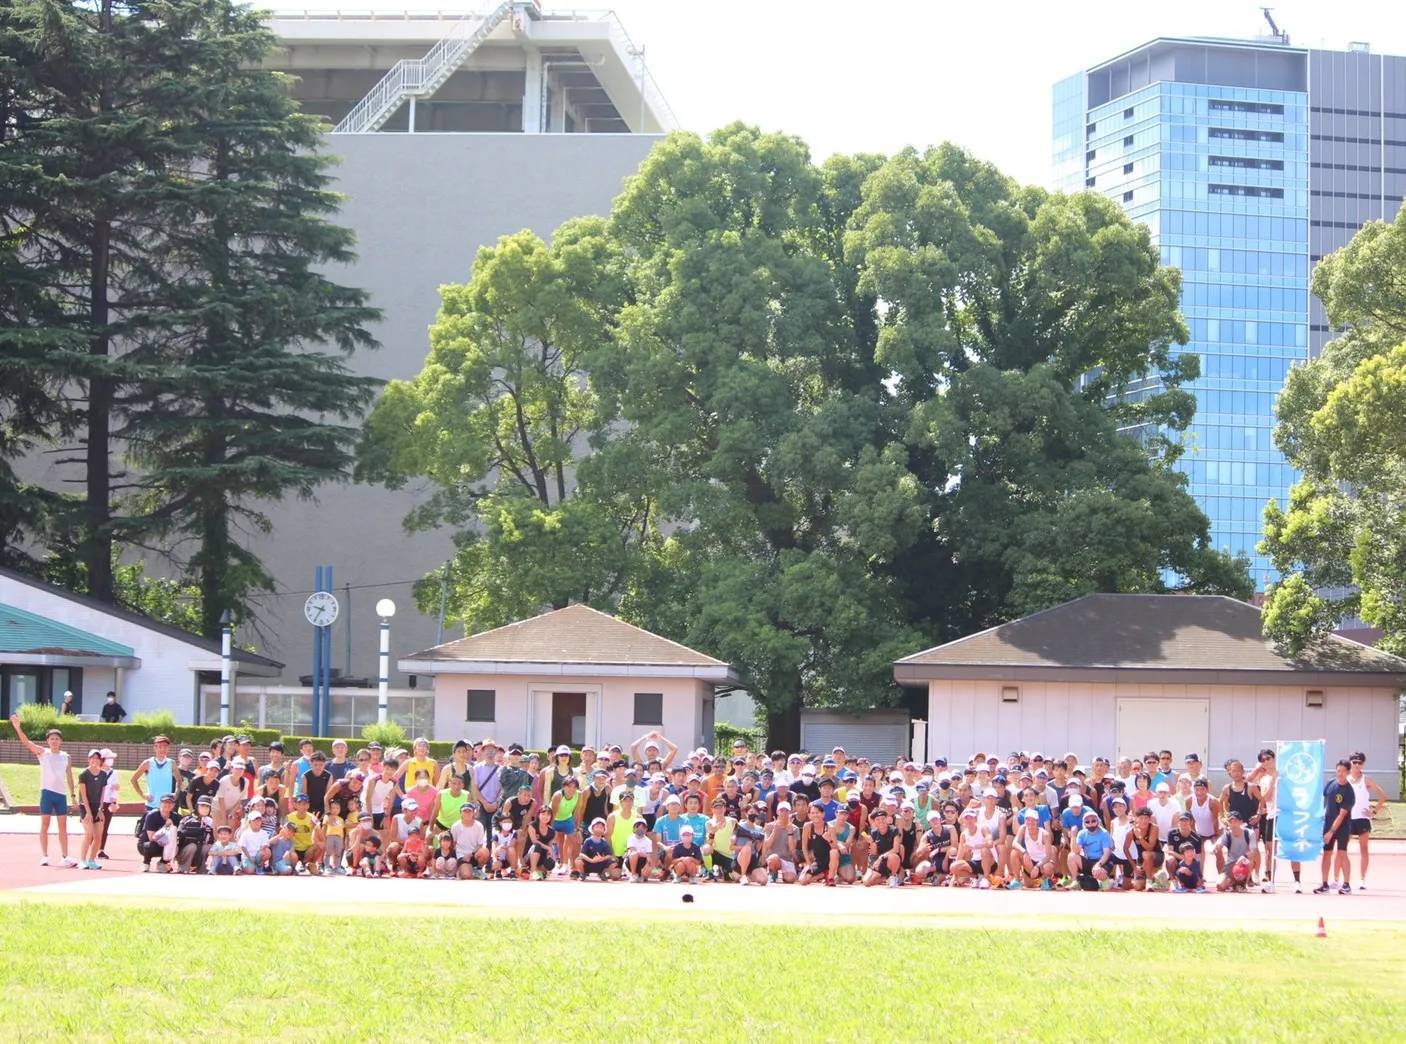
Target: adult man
[
  {"x": 55, "y": 780},
  {"x": 1365, "y": 789},
  {"x": 112, "y": 712},
  {"x": 1236, "y": 848},
  {"x": 470, "y": 842},
  {"x": 486, "y": 783},
  {"x": 339, "y": 766},
  {"x": 514, "y": 775},
  {"x": 159, "y": 771},
  {"x": 205, "y": 785},
  {"x": 781, "y": 845},
  {"x": 1338, "y": 797},
  {"x": 293, "y": 785},
  {"x": 654, "y": 745},
  {"x": 1265, "y": 779},
  {"x": 157, "y": 836},
  {"x": 1164, "y": 809},
  {"x": 315, "y": 783},
  {"x": 1194, "y": 768},
  {"x": 1163, "y": 772},
  {"x": 1091, "y": 850}
]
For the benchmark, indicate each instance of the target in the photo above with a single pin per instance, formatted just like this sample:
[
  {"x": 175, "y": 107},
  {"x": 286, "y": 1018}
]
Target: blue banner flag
[{"x": 1299, "y": 825}]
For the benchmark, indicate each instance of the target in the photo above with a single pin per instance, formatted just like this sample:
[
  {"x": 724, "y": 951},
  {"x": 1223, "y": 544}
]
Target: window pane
[
  {"x": 649, "y": 708},
  {"x": 480, "y": 705}
]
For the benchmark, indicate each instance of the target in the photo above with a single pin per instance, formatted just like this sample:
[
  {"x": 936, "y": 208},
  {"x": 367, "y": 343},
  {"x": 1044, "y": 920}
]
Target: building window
[
  {"x": 1240, "y": 134},
  {"x": 1127, "y": 168},
  {"x": 1088, "y": 182},
  {"x": 1245, "y": 190},
  {"x": 1089, "y": 129},
  {"x": 1128, "y": 141},
  {"x": 1263, "y": 108},
  {"x": 649, "y": 708},
  {"x": 1128, "y": 196},
  {"x": 1088, "y": 156},
  {"x": 1246, "y": 162},
  {"x": 481, "y": 705},
  {"x": 1127, "y": 114}
]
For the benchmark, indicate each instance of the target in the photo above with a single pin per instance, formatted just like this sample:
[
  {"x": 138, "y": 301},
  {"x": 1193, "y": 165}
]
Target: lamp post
[
  {"x": 385, "y": 609},
  {"x": 226, "y": 639}
]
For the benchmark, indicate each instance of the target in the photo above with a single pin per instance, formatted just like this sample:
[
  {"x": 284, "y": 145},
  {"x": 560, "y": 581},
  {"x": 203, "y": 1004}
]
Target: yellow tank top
[
  {"x": 620, "y": 838},
  {"x": 303, "y": 825},
  {"x": 332, "y": 826},
  {"x": 722, "y": 838}
]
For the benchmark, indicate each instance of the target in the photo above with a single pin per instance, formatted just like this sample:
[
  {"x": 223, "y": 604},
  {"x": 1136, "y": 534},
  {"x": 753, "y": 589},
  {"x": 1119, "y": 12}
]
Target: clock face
[{"x": 321, "y": 608}]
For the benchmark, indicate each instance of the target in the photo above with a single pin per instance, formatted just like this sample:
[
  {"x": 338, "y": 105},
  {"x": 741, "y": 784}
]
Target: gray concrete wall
[{"x": 421, "y": 206}]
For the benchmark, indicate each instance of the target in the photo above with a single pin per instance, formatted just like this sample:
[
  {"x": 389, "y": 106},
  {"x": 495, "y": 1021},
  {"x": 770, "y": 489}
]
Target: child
[
  {"x": 446, "y": 863},
  {"x": 413, "y": 859},
  {"x": 1188, "y": 869},
  {"x": 505, "y": 849},
  {"x": 254, "y": 845},
  {"x": 224, "y": 853},
  {"x": 370, "y": 862},
  {"x": 639, "y": 852},
  {"x": 334, "y": 837},
  {"x": 356, "y": 842},
  {"x": 281, "y": 855},
  {"x": 55, "y": 779},
  {"x": 686, "y": 859},
  {"x": 596, "y": 857}
]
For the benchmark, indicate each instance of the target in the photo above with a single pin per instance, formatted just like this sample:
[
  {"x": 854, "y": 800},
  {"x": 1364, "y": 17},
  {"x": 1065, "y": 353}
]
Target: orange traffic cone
[{"x": 1322, "y": 932}]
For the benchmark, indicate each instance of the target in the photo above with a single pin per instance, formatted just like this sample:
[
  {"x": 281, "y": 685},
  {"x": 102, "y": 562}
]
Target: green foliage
[
  {"x": 100, "y": 733},
  {"x": 387, "y": 734},
  {"x": 725, "y": 733},
  {"x": 1340, "y": 542},
  {"x": 833, "y": 413},
  {"x": 38, "y": 718},
  {"x": 166, "y": 600},
  {"x": 155, "y": 722}
]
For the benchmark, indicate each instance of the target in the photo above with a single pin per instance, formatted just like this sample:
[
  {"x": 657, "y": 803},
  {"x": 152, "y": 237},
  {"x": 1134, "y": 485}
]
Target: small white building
[
  {"x": 572, "y": 676},
  {"x": 1118, "y": 675},
  {"x": 52, "y": 640}
]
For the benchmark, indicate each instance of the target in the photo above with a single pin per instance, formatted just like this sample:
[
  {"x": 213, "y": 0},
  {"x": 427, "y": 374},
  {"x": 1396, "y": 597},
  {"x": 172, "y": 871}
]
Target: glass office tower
[{"x": 1215, "y": 145}]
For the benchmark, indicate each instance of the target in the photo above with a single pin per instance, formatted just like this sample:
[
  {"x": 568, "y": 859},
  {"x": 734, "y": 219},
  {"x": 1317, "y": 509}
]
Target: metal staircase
[{"x": 421, "y": 77}]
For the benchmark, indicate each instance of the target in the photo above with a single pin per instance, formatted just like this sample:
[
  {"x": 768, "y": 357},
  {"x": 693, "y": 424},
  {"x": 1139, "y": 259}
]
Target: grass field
[
  {"x": 112, "y": 972},
  {"x": 22, "y": 781}
]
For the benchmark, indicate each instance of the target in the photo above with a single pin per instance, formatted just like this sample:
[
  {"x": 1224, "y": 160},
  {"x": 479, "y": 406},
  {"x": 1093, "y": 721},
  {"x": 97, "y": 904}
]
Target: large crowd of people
[{"x": 649, "y": 813}]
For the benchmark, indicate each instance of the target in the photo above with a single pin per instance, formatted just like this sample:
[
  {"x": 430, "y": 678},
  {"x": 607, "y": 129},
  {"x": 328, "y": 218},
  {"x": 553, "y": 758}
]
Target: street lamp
[{"x": 385, "y": 609}]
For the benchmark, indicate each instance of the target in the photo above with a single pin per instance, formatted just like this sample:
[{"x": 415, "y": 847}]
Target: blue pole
[
  {"x": 327, "y": 663},
  {"x": 316, "y": 653}
]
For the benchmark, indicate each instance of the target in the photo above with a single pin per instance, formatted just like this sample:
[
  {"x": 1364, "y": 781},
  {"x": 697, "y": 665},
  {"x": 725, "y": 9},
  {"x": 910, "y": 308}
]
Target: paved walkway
[{"x": 122, "y": 881}]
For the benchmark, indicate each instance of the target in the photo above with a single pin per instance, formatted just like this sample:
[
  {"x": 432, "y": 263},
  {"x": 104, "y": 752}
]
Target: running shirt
[
  {"x": 784, "y": 842},
  {"x": 818, "y": 849},
  {"x": 722, "y": 836},
  {"x": 698, "y": 821},
  {"x": 683, "y": 851},
  {"x": 1120, "y": 833},
  {"x": 93, "y": 784},
  {"x": 1241, "y": 801},
  {"x": 468, "y": 838},
  {"x": 381, "y": 792},
  {"x": 518, "y": 811},
  {"x": 449, "y": 805},
  {"x": 160, "y": 780},
  {"x": 623, "y": 833},
  {"x": 669, "y": 828},
  {"x": 1362, "y": 798},
  {"x": 1094, "y": 843},
  {"x": 1165, "y": 816},
  {"x": 566, "y": 807},
  {"x": 415, "y": 766},
  {"x": 595, "y": 849},
  {"x": 315, "y": 785},
  {"x": 303, "y": 827},
  {"x": 1337, "y": 797},
  {"x": 339, "y": 769},
  {"x": 1202, "y": 817},
  {"x": 1034, "y": 847},
  {"x": 53, "y": 772}
]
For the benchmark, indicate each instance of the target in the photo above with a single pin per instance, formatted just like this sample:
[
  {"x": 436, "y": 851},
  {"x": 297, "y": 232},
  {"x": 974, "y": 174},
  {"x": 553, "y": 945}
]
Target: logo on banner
[{"x": 1299, "y": 827}]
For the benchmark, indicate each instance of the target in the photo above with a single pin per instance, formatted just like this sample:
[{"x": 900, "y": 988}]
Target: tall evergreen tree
[
  {"x": 245, "y": 396},
  {"x": 89, "y": 91}
]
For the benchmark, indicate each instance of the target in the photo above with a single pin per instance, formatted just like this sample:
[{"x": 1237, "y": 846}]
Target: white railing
[
  {"x": 416, "y": 76},
  {"x": 654, "y": 97}
]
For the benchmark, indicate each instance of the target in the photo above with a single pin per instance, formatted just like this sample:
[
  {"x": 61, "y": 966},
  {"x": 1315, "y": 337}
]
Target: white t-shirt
[
  {"x": 53, "y": 771},
  {"x": 468, "y": 838},
  {"x": 641, "y": 843},
  {"x": 1165, "y": 815},
  {"x": 380, "y": 790},
  {"x": 252, "y": 842}
]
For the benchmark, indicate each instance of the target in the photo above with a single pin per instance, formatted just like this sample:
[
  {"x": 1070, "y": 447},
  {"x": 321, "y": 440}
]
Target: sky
[{"x": 868, "y": 76}]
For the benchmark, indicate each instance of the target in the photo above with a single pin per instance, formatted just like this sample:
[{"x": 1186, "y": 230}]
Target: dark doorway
[{"x": 568, "y": 708}]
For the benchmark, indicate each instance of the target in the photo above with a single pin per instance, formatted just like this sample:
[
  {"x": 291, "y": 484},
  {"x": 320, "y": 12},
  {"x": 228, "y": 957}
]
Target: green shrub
[
  {"x": 38, "y": 718},
  {"x": 387, "y": 734},
  {"x": 157, "y": 722},
  {"x": 181, "y": 735},
  {"x": 724, "y": 733}
]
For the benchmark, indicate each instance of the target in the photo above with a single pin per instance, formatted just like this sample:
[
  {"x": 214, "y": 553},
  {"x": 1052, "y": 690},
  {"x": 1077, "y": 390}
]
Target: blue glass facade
[{"x": 1219, "y": 174}]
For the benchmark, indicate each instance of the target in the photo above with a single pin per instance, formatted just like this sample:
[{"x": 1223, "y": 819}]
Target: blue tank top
[{"x": 159, "y": 780}]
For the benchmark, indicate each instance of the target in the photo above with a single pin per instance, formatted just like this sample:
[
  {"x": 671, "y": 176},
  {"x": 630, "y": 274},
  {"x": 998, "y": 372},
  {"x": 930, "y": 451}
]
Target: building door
[
  {"x": 1181, "y": 726},
  {"x": 568, "y": 718}
]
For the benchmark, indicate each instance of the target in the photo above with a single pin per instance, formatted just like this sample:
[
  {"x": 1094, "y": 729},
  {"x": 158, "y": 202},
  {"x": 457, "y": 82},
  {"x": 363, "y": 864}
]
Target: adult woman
[
  {"x": 540, "y": 835},
  {"x": 1143, "y": 794},
  {"x": 565, "y": 813},
  {"x": 555, "y": 775},
  {"x": 458, "y": 765}
]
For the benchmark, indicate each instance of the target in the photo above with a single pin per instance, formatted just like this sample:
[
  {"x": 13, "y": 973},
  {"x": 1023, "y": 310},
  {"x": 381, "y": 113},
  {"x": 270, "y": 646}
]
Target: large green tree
[
  {"x": 501, "y": 419},
  {"x": 170, "y": 212},
  {"x": 1340, "y": 542},
  {"x": 245, "y": 395}
]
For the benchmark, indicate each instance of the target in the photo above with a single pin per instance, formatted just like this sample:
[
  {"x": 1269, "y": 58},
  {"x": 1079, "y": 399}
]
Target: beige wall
[
  {"x": 1053, "y": 717},
  {"x": 523, "y": 707}
]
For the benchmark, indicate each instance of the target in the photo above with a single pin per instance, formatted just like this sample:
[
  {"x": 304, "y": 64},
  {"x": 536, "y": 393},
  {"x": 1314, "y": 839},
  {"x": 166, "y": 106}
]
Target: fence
[{"x": 289, "y": 709}]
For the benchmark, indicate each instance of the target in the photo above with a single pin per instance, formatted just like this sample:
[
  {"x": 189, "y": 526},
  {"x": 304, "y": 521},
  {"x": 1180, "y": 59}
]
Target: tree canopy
[
  {"x": 1340, "y": 542},
  {"x": 823, "y": 415}
]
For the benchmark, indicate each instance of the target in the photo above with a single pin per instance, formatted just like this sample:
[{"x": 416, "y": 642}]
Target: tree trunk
[
  {"x": 783, "y": 728},
  {"x": 214, "y": 537},
  {"x": 97, "y": 541}
]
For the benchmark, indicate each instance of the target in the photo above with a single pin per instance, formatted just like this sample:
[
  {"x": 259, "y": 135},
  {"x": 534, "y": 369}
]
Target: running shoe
[
  {"x": 1322, "y": 889},
  {"x": 893, "y": 882},
  {"x": 1362, "y": 887},
  {"x": 1346, "y": 889},
  {"x": 1298, "y": 888}
]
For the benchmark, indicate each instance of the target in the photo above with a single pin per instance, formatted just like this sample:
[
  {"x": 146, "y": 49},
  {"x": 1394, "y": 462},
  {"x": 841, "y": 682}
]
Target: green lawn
[
  {"x": 76, "y": 970},
  {"x": 22, "y": 781}
]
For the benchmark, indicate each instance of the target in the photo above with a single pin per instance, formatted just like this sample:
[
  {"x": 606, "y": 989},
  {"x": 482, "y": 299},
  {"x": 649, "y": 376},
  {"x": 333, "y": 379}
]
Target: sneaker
[
  {"x": 1178, "y": 888},
  {"x": 1298, "y": 888},
  {"x": 93, "y": 864},
  {"x": 146, "y": 867},
  {"x": 983, "y": 884},
  {"x": 1362, "y": 887},
  {"x": 1200, "y": 889},
  {"x": 1014, "y": 885},
  {"x": 104, "y": 855},
  {"x": 1321, "y": 889},
  {"x": 893, "y": 882},
  {"x": 1346, "y": 889},
  {"x": 744, "y": 882},
  {"x": 43, "y": 860}
]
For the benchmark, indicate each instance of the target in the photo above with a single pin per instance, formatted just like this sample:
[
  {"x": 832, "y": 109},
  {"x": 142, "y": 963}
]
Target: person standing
[
  {"x": 1338, "y": 797},
  {"x": 1365, "y": 789},
  {"x": 55, "y": 779},
  {"x": 92, "y": 781},
  {"x": 112, "y": 712},
  {"x": 159, "y": 771}
]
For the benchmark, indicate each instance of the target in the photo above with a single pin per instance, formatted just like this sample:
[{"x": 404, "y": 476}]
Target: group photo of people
[{"x": 649, "y": 812}]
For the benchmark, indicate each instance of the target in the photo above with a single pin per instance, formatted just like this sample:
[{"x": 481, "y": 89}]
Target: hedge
[
  {"x": 724, "y": 733},
  {"x": 440, "y": 750},
  {"x": 182, "y": 735}
]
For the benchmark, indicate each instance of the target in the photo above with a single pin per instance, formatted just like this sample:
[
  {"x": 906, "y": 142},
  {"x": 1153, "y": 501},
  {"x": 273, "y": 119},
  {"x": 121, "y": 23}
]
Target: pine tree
[{"x": 246, "y": 397}]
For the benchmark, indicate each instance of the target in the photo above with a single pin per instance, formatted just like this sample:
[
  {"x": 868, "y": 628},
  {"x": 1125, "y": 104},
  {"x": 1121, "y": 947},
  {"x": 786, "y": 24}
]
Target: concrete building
[
  {"x": 572, "y": 676},
  {"x": 522, "y": 119},
  {"x": 1121, "y": 675},
  {"x": 1248, "y": 160},
  {"x": 52, "y": 641}
]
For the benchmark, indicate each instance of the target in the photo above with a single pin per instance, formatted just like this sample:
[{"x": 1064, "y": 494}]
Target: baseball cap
[
  {"x": 685, "y": 829},
  {"x": 673, "y": 799},
  {"x": 563, "y": 749},
  {"x": 969, "y": 814},
  {"x": 203, "y": 801},
  {"x": 409, "y": 804},
  {"x": 601, "y": 821},
  {"x": 783, "y": 805},
  {"x": 256, "y": 814},
  {"x": 1193, "y": 757},
  {"x": 1090, "y": 814},
  {"x": 933, "y": 815},
  {"x": 1234, "y": 815},
  {"x": 365, "y": 817},
  {"x": 1076, "y": 800},
  {"x": 186, "y": 752},
  {"x": 827, "y": 761},
  {"x": 1163, "y": 787}
]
